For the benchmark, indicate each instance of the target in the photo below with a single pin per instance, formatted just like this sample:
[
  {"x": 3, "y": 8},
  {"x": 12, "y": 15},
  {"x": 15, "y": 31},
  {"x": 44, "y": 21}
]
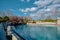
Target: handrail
[
  {"x": 18, "y": 35},
  {"x": 13, "y": 32}
]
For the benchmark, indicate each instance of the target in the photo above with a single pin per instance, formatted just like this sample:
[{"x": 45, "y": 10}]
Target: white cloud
[
  {"x": 25, "y": 13},
  {"x": 42, "y": 3},
  {"x": 24, "y": 10},
  {"x": 44, "y": 12},
  {"x": 25, "y": 0},
  {"x": 50, "y": 10},
  {"x": 54, "y": 10},
  {"x": 56, "y": 1},
  {"x": 32, "y": 15},
  {"x": 29, "y": 9},
  {"x": 33, "y": 9},
  {"x": 28, "y": 0}
]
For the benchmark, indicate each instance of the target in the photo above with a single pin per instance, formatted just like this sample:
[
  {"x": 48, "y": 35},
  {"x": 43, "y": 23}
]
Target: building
[{"x": 58, "y": 20}]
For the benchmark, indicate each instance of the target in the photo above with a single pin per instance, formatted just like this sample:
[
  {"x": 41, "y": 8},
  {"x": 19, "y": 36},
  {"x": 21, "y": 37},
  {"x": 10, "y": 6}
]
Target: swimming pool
[{"x": 38, "y": 32}]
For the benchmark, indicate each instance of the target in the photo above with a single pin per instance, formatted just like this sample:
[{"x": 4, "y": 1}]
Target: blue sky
[
  {"x": 15, "y": 5},
  {"x": 37, "y": 9}
]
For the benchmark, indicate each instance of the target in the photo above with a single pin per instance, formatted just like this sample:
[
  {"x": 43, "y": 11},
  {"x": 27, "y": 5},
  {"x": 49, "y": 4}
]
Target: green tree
[
  {"x": 6, "y": 18},
  {"x": 0, "y": 19}
]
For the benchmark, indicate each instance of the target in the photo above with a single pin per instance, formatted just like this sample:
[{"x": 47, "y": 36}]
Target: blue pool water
[
  {"x": 2, "y": 33},
  {"x": 37, "y": 32},
  {"x": 34, "y": 32}
]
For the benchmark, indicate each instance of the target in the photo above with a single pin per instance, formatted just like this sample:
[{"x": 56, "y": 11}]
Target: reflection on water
[
  {"x": 33, "y": 32},
  {"x": 2, "y": 33}
]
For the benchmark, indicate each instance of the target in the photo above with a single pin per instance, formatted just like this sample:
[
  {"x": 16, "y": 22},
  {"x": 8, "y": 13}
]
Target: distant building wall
[{"x": 58, "y": 20}]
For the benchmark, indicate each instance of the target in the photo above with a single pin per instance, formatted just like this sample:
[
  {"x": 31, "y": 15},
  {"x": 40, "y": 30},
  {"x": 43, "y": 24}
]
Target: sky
[{"x": 36, "y": 9}]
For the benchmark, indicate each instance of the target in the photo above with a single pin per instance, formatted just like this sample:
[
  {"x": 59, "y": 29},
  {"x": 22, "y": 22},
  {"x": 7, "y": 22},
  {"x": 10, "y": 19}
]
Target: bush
[
  {"x": 4, "y": 19},
  {"x": 0, "y": 19}
]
